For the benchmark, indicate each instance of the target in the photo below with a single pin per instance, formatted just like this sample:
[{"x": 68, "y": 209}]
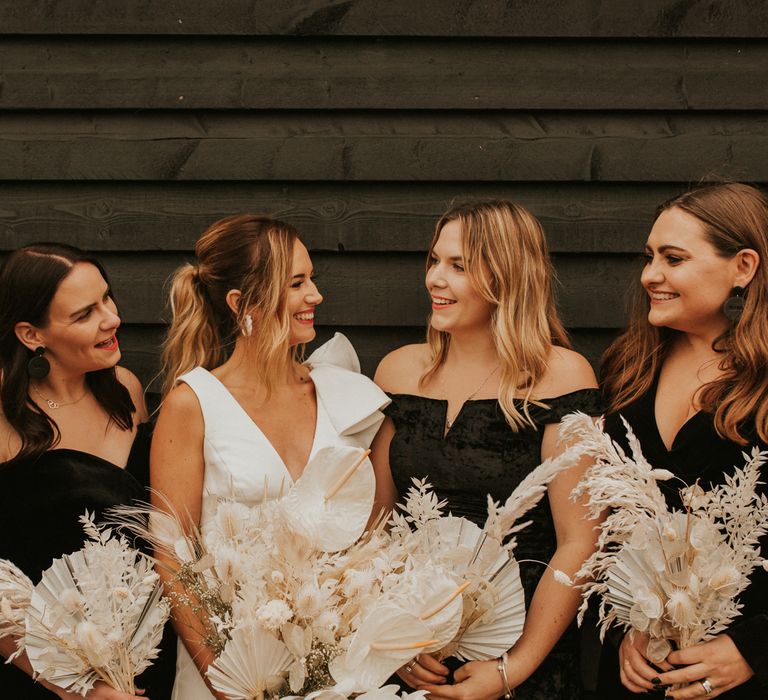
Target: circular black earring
[
  {"x": 734, "y": 305},
  {"x": 38, "y": 366}
]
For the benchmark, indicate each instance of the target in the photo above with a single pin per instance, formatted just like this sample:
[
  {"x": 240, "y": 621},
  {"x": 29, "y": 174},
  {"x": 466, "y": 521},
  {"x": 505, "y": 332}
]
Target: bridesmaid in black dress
[
  {"x": 475, "y": 409},
  {"x": 73, "y": 431},
  {"x": 689, "y": 375}
]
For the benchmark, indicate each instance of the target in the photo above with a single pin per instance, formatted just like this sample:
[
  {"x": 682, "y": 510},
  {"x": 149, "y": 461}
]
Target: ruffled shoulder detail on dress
[{"x": 352, "y": 402}]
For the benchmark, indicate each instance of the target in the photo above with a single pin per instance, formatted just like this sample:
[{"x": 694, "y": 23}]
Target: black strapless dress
[
  {"x": 697, "y": 452},
  {"x": 481, "y": 455},
  {"x": 40, "y": 503}
]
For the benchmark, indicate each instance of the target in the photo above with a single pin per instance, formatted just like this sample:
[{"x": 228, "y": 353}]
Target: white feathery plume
[{"x": 15, "y": 593}]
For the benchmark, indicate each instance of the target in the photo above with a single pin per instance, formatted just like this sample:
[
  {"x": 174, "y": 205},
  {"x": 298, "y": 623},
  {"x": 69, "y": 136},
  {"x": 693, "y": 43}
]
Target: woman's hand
[
  {"x": 101, "y": 691},
  {"x": 717, "y": 661},
  {"x": 476, "y": 680},
  {"x": 423, "y": 669},
  {"x": 635, "y": 670}
]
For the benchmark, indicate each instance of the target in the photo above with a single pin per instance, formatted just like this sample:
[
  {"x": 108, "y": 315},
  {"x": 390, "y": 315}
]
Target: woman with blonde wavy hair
[
  {"x": 242, "y": 416},
  {"x": 689, "y": 375},
  {"x": 475, "y": 409}
]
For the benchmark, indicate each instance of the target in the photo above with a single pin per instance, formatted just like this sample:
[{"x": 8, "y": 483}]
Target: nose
[
  {"x": 652, "y": 273},
  {"x": 111, "y": 319},
  {"x": 434, "y": 277},
  {"x": 313, "y": 295}
]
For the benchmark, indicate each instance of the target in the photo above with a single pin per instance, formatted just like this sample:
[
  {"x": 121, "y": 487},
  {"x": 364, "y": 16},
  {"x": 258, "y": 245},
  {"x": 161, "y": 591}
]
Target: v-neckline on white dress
[{"x": 244, "y": 414}]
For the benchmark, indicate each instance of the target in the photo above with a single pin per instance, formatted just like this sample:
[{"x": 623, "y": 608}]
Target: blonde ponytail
[{"x": 193, "y": 338}]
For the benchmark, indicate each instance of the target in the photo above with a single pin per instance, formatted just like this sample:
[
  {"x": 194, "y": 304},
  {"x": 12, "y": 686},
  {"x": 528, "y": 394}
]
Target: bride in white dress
[{"x": 241, "y": 423}]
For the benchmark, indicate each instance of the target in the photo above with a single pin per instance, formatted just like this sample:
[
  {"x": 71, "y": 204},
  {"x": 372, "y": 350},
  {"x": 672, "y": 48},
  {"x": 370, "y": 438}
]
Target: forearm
[
  {"x": 8, "y": 647},
  {"x": 551, "y": 611}
]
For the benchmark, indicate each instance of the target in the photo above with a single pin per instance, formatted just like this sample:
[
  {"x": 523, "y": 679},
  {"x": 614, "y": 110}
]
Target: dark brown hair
[
  {"x": 734, "y": 217},
  {"x": 29, "y": 279}
]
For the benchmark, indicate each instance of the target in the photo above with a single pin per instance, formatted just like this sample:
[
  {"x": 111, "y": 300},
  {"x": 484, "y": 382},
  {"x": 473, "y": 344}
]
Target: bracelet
[{"x": 501, "y": 666}]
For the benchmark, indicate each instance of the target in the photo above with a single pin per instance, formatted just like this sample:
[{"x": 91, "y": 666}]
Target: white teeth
[
  {"x": 442, "y": 302},
  {"x": 658, "y": 296},
  {"x": 304, "y": 317}
]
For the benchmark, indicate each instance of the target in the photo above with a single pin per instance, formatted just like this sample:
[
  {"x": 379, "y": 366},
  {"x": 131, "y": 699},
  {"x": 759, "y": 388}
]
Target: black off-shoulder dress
[
  {"x": 481, "y": 455},
  {"x": 697, "y": 452},
  {"x": 40, "y": 503}
]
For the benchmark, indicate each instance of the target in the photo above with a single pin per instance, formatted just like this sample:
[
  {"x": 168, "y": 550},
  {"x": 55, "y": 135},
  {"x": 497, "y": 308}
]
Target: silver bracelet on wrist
[{"x": 501, "y": 666}]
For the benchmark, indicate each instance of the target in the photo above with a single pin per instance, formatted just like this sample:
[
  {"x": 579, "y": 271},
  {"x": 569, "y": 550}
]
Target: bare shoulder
[
  {"x": 131, "y": 382},
  {"x": 10, "y": 442},
  {"x": 567, "y": 371},
  {"x": 181, "y": 404},
  {"x": 399, "y": 371}
]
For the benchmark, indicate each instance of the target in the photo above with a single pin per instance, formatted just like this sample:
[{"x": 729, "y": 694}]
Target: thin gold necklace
[
  {"x": 449, "y": 420},
  {"x": 57, "y": 404}
]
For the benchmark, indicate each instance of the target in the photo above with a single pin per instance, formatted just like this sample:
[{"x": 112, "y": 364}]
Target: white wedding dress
[{"x": 241, "y": 462}]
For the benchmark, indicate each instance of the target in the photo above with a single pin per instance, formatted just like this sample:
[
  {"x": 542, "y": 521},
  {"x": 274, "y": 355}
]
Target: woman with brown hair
[
  {"x": 689, "y": 375},
  {"x": 73, "y": 430},
  {"x": 242, "y": 415},
  {"x": 475, "y": 409}
]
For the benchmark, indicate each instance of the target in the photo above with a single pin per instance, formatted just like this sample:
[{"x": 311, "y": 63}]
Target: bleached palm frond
[
  {"x": 15, "y": 593},
  {"x": 253, "y": 664}
]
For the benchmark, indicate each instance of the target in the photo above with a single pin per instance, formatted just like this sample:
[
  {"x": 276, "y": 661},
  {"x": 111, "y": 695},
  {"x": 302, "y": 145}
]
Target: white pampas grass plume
[{"x": 562, "y": 577}]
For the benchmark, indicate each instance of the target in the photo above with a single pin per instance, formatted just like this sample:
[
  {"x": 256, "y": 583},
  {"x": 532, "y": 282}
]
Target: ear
[
  {"x": 28, "y": 335},
  {"x": 747, "y": 261},
  {"x": 233, "y": 300}
]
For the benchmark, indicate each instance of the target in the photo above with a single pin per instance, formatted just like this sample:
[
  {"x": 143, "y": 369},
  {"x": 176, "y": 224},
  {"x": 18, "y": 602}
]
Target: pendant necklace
[
  {"x": 56, "y": 404},
  {"x": 449, "y": 420}
]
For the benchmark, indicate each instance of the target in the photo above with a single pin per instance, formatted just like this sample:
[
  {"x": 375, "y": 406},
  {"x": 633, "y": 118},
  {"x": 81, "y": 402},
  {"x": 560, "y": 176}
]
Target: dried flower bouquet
[
  {"x": 672, "y": 574},
  {"x": 96, "y": 614},
  {"x": 297, "y": 596}
]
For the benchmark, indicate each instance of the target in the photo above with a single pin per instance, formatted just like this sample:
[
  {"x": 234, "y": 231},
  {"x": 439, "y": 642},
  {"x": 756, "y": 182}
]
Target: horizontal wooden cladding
[
  {"x": 353, "y": 217},
  {"x": 547, "y": 18},
  {"x": 495, "y": 146},
  {"x": 141, "y": 345},
  {"x": 367, "y": 289},
  {"x": 266, "y": 73}
]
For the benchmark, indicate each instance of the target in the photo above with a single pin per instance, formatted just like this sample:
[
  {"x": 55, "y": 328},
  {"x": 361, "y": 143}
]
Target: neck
[
  {"x": 245, "y": 370},
  {"x": 473, "y": 349},
  {"x": 698, "y": 344},
  {"x": 61, "y": 387}
]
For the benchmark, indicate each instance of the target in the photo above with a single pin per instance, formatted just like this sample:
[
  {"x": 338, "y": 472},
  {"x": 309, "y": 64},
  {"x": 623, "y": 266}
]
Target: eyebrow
[
  {"x": 301, "y": 275},
  {"x": 453, "y": 258},
  {"x": 665, "y": 248}
]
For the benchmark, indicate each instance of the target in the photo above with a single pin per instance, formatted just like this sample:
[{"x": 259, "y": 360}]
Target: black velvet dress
[
  {"x": 481, "y": 455},
  {"x": 697, "y": 452},
  {"x": 40, "y": 503}
]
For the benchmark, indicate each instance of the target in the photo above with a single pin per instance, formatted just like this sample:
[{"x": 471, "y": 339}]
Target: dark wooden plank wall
[{"x": 127, "y": 127}]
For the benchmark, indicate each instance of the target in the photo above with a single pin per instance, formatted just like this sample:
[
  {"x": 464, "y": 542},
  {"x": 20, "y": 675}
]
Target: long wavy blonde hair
[
  {"x": 524, "y": 320},
  {"x": 734, "y": 217},
  {"x": 249, "y": 253}
]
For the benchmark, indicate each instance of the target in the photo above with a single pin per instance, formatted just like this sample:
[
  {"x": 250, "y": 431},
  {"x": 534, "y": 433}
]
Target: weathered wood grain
[
  {"x": 496, "y": 146},
  {"x": 265, "y": 73},
  {"x": 141, "y": 345},
  {"x": 353, "y": 217},
  {"x": 544, "y": 18},
  {"x": 367, "y": 289}
]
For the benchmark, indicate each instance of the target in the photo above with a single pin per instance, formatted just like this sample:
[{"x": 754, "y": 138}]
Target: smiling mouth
[
  {"x": 662, "y": 296},
  {"x": 306, "y": 317},
  {"x": 442, "y": 302},
  {"x": 108, "y": 344}
]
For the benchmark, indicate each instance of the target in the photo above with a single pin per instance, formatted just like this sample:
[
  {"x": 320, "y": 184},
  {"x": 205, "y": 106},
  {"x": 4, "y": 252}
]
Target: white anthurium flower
[
  {"x": 325, "y": 694},
  {"x": 383, "y": 642},
  {"x": 391, "y": 692},
  {"x": 331, "y": 503},
  {"x": 253, "y": 663}
]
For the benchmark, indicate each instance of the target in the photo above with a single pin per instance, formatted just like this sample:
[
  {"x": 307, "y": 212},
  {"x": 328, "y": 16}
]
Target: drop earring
[
  {"x": 733, "y": 306},
  {"x": 38, "y": 366},
  {"x": 248, "y": 325}
]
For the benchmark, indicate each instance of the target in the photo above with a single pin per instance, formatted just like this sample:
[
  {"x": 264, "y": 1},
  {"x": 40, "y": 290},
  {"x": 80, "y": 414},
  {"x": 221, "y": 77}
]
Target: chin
[{"x": 303, "y": 337}]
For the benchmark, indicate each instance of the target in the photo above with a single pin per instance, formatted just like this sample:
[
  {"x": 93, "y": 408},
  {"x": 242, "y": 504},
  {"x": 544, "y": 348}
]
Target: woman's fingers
[{"x": 423, "y": 669}]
